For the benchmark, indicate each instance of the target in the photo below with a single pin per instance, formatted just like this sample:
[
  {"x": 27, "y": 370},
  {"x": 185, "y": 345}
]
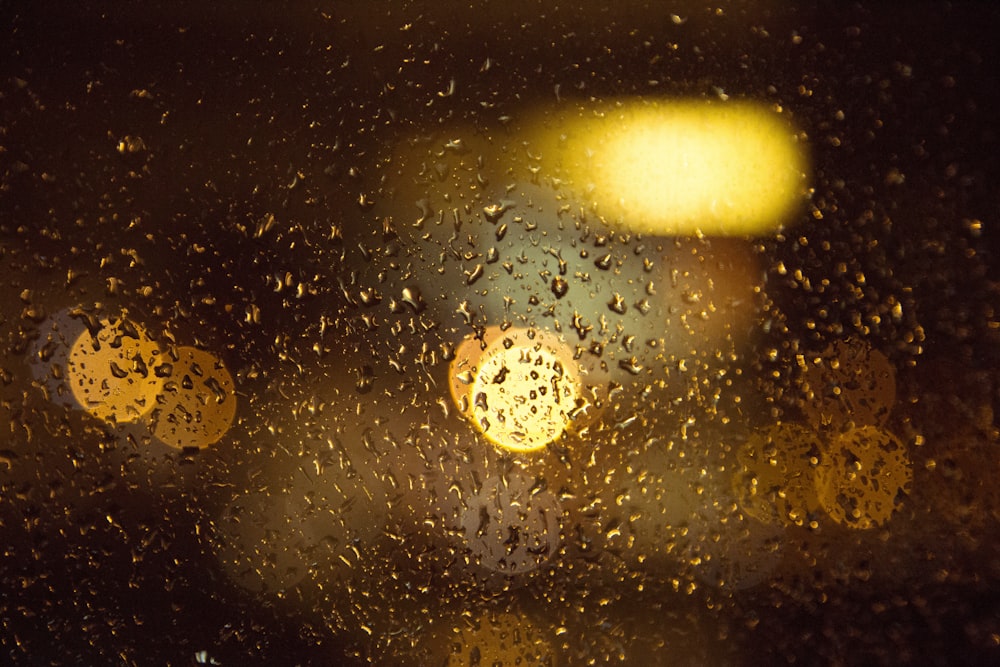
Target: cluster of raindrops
[
  {"x": 842, "y": 459},
  {"x": 110, "y": 367}
]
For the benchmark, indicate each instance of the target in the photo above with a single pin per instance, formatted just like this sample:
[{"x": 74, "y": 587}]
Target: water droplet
[
  {"x": 130, "y": 144},
  {"x": 474, "y": 275},
  {"x": 413, "y": 298},
  {"x": 617, "y": 304},
  {"x": 494, "y": 212},
  {"x": 366, "y": 380},
  {"x": 630, "y": 365},
  {"x": 581, "y": 329},
  {"x": 559, "y": 287},
  {"x": 217, "y": 388}
]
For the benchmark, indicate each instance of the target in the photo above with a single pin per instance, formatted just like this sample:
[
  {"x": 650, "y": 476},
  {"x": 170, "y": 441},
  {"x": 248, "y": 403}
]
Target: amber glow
[
  {"x": 521, "y": 391},
  {"x": 867, "y": 475},
  {"x": 198, "y": 401},
  {"x": 111, "y": 372},
  {"x": 686, "y": 167},
  {"x": 113, "y": 369}
]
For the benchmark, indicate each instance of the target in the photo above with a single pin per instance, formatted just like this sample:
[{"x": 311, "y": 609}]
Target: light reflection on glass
[
  {"x": 110, "y": 369},
  {"x": 682, "y": 167},
  {"x": 865, "y": 478},
  {"x": 197, "y": 402},
  {"x": 522, "y": 389}
]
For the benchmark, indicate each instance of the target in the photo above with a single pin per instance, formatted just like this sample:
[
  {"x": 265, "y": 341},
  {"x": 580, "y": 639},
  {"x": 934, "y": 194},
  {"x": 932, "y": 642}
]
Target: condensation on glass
[{"x": 647, "y": 334}]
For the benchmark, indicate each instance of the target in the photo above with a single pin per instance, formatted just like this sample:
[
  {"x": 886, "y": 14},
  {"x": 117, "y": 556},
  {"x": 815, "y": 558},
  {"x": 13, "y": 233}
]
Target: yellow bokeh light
[
  {"x": 775, "y": 479},
  {"x": 521, "y": 387},
  {"x": 112, "y": 371},
  {"x": 685, "y": 167},
  {"x": 198, "y": 401},
  {"x": 866, "y": 474}
]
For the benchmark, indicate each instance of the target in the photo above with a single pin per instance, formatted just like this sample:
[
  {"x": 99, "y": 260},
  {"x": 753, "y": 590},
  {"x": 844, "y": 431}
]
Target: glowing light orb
[
  {"x": 522, "y": 391},
  {"x": 865, "y": 478},
  {"x": 686, "y": 167},
  {"x": 111, "y": 371},
  {"x": 198, "y": 401}
]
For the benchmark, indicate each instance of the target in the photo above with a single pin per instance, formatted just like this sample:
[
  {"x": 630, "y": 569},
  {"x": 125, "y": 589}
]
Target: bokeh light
[
  {"x": 521, "y": 391},
  {"x": 684, "y": 167},
  {"x": 864, "y": 478},
  {"x": 197, "y": 402},
  {"x": 521, "y": 333},
  {"x": 111, "y": 370}
]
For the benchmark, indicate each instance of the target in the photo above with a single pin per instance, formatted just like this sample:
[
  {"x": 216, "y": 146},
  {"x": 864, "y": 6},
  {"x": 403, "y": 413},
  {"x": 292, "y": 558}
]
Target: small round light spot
[
  {"x": 522, "y": 391},
  {"x": 197, "y": 403},
  {"x": 865, "y": 477},
  {"x": 111, "y": 371}
]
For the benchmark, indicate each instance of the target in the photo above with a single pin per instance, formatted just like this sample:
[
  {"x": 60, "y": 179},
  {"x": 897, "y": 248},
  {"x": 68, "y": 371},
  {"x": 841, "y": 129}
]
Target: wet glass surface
[{"x": 524, "y": 333}]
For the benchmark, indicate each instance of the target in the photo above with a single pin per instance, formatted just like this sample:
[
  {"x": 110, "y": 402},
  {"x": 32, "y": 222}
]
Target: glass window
[{"x": 499, "y": 333}]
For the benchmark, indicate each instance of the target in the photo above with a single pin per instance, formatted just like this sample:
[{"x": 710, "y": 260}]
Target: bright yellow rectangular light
[{"x": 684, "y": 167}]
